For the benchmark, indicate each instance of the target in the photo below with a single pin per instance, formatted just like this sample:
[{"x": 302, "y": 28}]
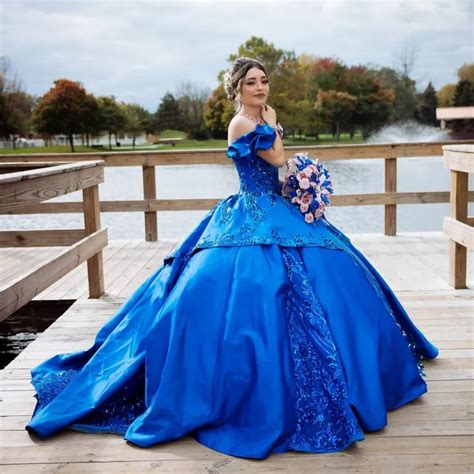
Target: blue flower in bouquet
[{"x": 307, "y": 184}]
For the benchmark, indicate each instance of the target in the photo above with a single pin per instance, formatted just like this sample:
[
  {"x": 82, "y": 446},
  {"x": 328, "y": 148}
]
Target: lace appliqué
[
  {"x": 325, "y": 421},
  {"x": 247, "y": 235},
  {"x": 114, "y": 415},
  {"x": 224, "y": 209}
]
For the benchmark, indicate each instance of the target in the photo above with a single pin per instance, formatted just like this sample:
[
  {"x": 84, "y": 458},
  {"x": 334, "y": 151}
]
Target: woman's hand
[{"x": 269, "y": 115}]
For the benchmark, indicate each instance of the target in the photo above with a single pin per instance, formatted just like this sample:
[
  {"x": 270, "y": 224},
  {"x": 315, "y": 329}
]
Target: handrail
[
  {"x": 148, "y": 160},
  {"x": 459, "y": 227},
  {"x": 25, "y": 188}
]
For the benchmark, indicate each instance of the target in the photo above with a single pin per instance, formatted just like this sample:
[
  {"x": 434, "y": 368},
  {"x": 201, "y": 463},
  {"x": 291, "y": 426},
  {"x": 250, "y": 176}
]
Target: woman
[{"x": 259, "y": 333}]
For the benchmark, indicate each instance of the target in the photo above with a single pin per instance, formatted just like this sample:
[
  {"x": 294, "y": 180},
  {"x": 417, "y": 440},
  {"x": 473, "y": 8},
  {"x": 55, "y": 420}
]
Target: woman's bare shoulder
[{"x": 238, "y": 126}]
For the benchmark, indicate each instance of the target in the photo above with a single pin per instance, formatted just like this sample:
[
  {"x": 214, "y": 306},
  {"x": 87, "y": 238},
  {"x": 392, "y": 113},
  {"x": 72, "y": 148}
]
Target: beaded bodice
[
  {"x": 258, "y": 213},
  {"x": 255, "y": 174}
]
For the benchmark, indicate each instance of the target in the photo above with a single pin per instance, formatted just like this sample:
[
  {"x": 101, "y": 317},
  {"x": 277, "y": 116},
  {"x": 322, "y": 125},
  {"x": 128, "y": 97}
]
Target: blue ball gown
[{"x": 260, "y": 333}]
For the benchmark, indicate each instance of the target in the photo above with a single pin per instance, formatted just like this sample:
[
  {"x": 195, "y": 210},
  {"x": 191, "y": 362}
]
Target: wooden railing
[
  {"x": 459, "y": 226},
  {"x": 148, "y": 160},
  {"x": 22, "y": 187}
]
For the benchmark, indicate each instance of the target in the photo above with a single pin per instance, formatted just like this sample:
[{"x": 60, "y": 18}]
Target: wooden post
[
  {"x": 390, "y": 185},
  {"x": 149, "y": 192},
  {"x": 458, "y": 252},
  {"x": 95, "y": 270}
]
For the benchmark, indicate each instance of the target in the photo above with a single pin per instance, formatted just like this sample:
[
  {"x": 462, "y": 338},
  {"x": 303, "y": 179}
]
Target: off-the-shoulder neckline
[{"x": 248, "y": 133}]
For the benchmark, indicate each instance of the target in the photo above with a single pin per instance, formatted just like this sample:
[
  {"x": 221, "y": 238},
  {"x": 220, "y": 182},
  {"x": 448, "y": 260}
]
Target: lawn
[{"x": 185, "y": 145}]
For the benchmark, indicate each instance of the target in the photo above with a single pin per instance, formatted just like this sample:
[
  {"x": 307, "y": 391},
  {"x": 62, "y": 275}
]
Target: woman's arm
[{"x": 274, "y": 155}]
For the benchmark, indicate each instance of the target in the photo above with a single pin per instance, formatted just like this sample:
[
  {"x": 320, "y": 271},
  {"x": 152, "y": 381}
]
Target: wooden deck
[{"x": 431, "y": 434}]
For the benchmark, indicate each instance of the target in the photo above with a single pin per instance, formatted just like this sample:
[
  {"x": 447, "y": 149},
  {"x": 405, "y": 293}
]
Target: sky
[{"x": 139, "y": 50}]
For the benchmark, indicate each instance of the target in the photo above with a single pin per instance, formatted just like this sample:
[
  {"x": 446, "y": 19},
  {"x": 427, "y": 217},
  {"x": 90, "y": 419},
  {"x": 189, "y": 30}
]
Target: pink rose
[
  {"x": 304, "y": 183},
  {"x": 304, "y": 207},
  {"x": 300, "y": 176},
  {"x": 306, "y": 198},
  {"x": 309, "y": 218}
]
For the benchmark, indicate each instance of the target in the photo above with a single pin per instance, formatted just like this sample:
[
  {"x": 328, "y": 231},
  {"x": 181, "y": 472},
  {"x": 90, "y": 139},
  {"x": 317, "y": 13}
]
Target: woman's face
[{"x": 255, "y": 87}]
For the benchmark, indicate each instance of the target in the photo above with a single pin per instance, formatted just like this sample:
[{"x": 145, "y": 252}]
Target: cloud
[{"x": 139, "y": 50}]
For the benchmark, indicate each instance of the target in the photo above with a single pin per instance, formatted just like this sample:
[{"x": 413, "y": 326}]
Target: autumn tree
[
  {"x": 445, "y": 95},
  {"x": 466, "y": 72},
  {"x": 64, "y": 109},
  {"x": 288, "y": 94},
  {"x": 218, "y": 112},
  {"x": 280, "y": 65},
  {"x": 336, "y": 108},
  {"x": 265, "y": 52}
]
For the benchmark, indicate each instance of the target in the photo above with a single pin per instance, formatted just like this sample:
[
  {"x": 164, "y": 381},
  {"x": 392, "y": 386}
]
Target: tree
[
  {"x": 191, "y": 102},
  {"x": 137, "y": 120},
  {"x": 407, "y": 57},
  {"x": 427, "y": 106},
  {"x": 218, "y": 112},
  {"x": 289, "y": 91},
  {"x": 373, "y": 110},
  {"x": 374, "y": 100},
  {"x": 466, "y": 72},
  {"x": 405, "y": 96},
  {"x": 112, "y": 117},
  {"x": 335, "y": 107},
  {"x": 400, "y": 80},
  {"x": 263, "y": 51},
  {"x": 168, "y": 114},
  {"x": 91, "y": 117},
  {"x": 281, "y": 67},
  {"x": 445, "y": 95},
  {"x": 463, "y": 96},
  {"x": 64, "y": 109},
  {"x": 306, "y": 119},
  {"x": 15, "y": 103},
  {"x": 464, "y": 93},
  {"x": 325, "y": 74}
]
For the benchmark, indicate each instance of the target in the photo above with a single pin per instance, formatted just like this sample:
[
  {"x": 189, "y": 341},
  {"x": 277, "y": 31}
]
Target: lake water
[{"x": 219, "y": 181}]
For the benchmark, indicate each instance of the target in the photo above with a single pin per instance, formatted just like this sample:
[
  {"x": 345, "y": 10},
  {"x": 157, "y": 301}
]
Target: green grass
[
  {"x": 172, "y": 134},
  {"x": 50, "y": 149},
  {"x": 185, "y": 145}
]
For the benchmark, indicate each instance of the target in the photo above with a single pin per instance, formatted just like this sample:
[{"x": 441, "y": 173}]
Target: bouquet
[{"x": 308, "y": 185}]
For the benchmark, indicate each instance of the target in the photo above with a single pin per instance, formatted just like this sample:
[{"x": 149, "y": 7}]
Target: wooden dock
[{"x": 431, "y": 434}]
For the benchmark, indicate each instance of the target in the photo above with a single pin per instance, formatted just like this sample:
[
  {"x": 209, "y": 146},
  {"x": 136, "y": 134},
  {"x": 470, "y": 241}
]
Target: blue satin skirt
[{"x": 249, "y": 349}]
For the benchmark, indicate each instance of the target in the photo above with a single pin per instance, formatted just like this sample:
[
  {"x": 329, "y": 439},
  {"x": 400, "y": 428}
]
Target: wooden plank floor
[
  {"x": 431, "y": 434},
  {"x": 129, "y": 262},
  {"x": 126, "y": 263}
]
